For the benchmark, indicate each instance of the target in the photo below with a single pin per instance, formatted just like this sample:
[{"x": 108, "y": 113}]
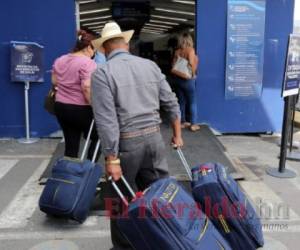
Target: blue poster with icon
[
  {"x": 27, "y": 62},
  {"x": 245, "y": 49}
]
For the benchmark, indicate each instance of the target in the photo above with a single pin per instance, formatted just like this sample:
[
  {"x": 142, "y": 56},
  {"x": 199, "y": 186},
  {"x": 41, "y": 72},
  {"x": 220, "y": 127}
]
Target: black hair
[{"x": 84, "y": 39}]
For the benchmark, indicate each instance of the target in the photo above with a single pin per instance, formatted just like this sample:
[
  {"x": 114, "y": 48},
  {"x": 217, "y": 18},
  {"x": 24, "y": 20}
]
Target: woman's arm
[
  {"x": 175, "y": 58},
  {"x": 86, "y": 89},
  {"x": 54, "y": 79},
  {"x": 193, "y": 60}
]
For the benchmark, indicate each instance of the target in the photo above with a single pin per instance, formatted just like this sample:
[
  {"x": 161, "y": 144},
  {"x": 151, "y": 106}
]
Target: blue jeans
[{"x": 186, "y": 93}]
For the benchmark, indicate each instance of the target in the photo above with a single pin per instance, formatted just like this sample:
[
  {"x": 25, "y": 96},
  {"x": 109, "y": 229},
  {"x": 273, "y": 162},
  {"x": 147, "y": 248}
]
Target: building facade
[{"x": 53, "y": 25}]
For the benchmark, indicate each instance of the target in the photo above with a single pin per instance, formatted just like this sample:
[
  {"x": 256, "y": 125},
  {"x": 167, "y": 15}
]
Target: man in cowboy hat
[{"x": 127, "y": 94}]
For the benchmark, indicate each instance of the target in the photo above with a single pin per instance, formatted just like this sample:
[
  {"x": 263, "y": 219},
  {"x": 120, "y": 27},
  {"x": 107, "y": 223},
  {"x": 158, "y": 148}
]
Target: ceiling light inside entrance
[
  {"x": 170, "y": 18},
  {"x": 160, "y": 31},
  {"x": 155, "y": 29},
  {"x": 89, "y": 1},
  {"x": 95, "y": 18},
  {"x": 157, "y": 25},
  {"x": 93, "y": 11},
  {"x": 184, "y": 2},
  {"x": 96, "y": 27},
  {"x": 175, "y": 11},
  {"x": 151, "y": 32},
  {"x": 93, "y": 23},
  {"x": 164, "y": 22}
]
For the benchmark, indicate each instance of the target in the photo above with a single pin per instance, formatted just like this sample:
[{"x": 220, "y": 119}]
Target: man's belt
[{"x": 140, "y": 132}]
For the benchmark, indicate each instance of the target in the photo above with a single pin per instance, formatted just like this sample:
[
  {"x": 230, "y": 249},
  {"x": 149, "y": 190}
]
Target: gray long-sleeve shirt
[{"x": 127, "y": 94}]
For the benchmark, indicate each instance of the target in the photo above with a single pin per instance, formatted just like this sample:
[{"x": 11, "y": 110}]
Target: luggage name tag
[
  {"x": 170, "y": 192},
  {"x": 204, "y": 170},
  {"x": 138, "y": 195}
]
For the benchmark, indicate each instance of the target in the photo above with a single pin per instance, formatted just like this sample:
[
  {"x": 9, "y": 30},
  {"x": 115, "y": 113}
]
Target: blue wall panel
[
  {"x": 240, "y": 116},
  {"x": 50, "y": 23}
]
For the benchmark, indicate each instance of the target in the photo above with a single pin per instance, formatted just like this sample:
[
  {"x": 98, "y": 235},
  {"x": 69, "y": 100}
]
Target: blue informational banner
[
  {"x": 245, "y": 49},
  {"x": 292, "y": 70},
  {"x": 27, "y": 62}
]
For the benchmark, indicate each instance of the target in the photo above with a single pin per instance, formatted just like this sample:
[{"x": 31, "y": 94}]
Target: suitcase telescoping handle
[
  {"x": 86, "y": 144},
  {"x": 120, "y": 192},
  {"x": 96, "y": 151},
  {"x": 184, "y": 162}
]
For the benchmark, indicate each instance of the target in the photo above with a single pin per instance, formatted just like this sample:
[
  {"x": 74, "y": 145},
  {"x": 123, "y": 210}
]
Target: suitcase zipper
[
  {"x": 224, "y": 224},
  {"x": 57, "y": 189},
  {"x": 62, "y": 180},
  {"x": 220, "y": 245},
  {"x": 204, "y": 229},
  {"x": 54, "y": 196}
]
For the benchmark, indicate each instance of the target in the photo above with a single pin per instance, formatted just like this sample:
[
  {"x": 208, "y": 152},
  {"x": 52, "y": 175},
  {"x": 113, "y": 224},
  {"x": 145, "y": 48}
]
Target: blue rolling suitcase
[
  {"x": 71, "y": 188},
  {"x": 166, "y": 217},
  {"x": 226, "y": 205}
]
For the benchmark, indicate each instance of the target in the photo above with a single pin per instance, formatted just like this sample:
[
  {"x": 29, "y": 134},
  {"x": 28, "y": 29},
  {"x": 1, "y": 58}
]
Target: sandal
[
  {"x": 185, "y": 125},
  {"x": 195, "y": 128}
]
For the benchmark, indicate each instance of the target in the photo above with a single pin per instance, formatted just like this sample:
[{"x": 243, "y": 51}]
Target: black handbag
[{"x": 50, "y": 101}]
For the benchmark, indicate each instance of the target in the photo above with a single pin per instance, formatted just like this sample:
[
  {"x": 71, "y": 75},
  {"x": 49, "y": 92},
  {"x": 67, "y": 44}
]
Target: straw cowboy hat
[{"x": 112, "y": 30}]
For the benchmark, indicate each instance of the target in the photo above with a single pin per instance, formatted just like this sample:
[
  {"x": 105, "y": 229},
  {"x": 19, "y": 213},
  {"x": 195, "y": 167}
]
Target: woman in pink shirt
[{"x": 71, "y": 76}]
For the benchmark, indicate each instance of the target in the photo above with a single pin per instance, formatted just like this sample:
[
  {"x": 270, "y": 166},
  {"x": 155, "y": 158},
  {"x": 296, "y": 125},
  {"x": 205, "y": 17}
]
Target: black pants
[
  {"x": 143, "y": 161},
  {"x": 75, "y": 120}
]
